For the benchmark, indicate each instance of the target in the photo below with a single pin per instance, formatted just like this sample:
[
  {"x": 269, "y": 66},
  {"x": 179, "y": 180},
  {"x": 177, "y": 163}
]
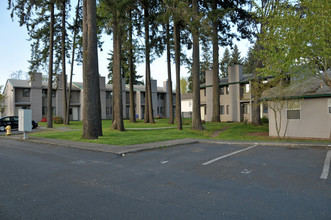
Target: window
[
  {"x": 329, "y": 105},
  {"x": 246, "y": 88},
  {"x": 227, "y": 109},
  {"x": 44, "y": 93},
  {"x": 108, "y": 94},
  {"x": 204, "y": 92},
  {"x": 293, "y": 109},
  {"x": 265, "y": 108},
  {"x": 222, "y": 109},
  {"x": 189, "y": 104},
  {"x": 222, "y": 90},
  {"x": 246, "y": 108},
  {"x": 107, "y": 110},
  {"x": 161, "y": 96},
  {"x": 227, "y": 90},
  {"x": 53, "y": 93},
  {"x": 6, "y": 119},
  {"x": 44, "y": 110},
  {"x": 158, "y": 110},
  {"x": 161, "y": 110},
  {"x": 26, "y": 92}
]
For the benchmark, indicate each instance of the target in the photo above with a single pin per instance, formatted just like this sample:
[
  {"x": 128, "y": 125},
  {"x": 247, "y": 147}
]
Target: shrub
[
  {"x": 57, "y": 120},
  {"x": 264, "y": 120}
]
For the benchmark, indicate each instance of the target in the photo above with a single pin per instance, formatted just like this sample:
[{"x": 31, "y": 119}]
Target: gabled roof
[
  {"x": 19, "y": 83},
  {"x": 312, "y": 87},
  {"x": 186, "y": 96}
]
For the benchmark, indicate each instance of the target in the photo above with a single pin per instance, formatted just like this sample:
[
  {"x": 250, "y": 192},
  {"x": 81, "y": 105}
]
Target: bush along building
[
  {"x": 25, "y": 94},
  {"x": 235, "y": 97}
]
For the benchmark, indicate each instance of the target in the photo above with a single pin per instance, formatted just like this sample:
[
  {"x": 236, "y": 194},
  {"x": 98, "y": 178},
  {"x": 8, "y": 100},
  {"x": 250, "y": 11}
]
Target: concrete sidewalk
[{"x": 122, "y": 150}]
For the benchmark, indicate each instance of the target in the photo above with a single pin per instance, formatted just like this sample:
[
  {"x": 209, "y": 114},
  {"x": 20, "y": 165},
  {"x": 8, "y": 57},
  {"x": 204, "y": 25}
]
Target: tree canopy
[{"x": 295, "y": 38}]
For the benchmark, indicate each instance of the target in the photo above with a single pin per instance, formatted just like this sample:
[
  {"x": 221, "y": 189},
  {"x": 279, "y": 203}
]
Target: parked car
[{"x": 13, "y": 122}]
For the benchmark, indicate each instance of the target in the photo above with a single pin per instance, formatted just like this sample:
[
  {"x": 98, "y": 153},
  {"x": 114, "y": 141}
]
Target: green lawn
[{"x": 225, "y": 131}]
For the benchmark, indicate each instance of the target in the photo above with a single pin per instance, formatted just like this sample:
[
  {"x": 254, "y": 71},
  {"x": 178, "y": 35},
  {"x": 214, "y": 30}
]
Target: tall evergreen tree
[
  {"x": 92, "y": 126},
  {"x": 171, "y": 112},
  {"x": 196, "y": 114},
  {"x": 76, "y": 28},
  {"x": 50, "y": 70},
  {"x": 236, "y": 57}
]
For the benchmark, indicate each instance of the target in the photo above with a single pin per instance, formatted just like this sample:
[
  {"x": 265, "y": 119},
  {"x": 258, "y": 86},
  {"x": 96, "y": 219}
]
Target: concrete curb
[{"x": 122, "y": 150}]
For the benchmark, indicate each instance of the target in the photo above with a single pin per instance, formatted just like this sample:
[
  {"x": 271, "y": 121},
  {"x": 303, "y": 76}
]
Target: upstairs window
[
  {"x": 246, "y": 88},
  {"x": 26, "y": 92}
]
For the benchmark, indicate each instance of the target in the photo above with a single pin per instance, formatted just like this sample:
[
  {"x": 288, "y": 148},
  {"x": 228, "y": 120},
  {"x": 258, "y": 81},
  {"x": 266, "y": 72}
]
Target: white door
[{"x": 75, "y": 115}]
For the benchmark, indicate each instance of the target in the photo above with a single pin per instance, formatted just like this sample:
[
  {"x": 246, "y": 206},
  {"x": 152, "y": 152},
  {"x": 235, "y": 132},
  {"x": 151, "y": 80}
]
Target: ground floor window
[
  {"x": 246, "y": 108},
  {"x": 329, "y": 105},
  {"x": 265, "y": 108},
  {"x": 293, "y": 109},
  {"x": 222, "y": 109},
  {"x": 227, "y": 109}
]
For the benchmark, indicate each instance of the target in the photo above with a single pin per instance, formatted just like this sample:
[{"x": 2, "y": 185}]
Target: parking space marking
[
  {"x": 230, "y": 154},
  {"x": 326, "y": 167}
]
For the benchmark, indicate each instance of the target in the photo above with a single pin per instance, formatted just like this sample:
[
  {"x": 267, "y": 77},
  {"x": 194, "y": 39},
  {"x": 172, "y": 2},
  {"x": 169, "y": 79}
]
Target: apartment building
[
  {"x": 32, "y": 94},
  {"x": 235, "y": 97}
]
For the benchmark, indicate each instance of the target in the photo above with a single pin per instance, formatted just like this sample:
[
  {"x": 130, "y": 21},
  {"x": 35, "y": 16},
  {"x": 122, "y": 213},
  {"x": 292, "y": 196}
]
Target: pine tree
[
  {"x": 225, "y": 62},
  {"x": 92, "y": 126},
  {"x": 236, "y": 57}
]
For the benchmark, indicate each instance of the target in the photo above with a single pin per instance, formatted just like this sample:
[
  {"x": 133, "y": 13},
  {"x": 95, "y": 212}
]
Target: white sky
[{"x": 15, "y": 53}]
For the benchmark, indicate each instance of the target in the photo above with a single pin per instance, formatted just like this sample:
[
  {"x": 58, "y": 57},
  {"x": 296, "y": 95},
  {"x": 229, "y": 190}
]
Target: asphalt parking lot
[{"x": 196, "y": 181}]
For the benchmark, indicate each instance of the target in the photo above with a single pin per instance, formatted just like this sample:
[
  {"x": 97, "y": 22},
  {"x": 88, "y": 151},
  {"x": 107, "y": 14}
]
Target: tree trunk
[
  {"x": 196, "y": 115},
  {"x": 132, "y": 103},
  {"x": 92, "y": 126},
  {"x": 171, "y": 111},
  {"x": 72, "y": 60},
  {"x": 50, "y": 69},
  {"x": 216, "y": 88},
  {"x": 256, "y": 119},
  {"x": 64, "y": 76},
  {"x": 117, "y": 79},
  {"x": 148, "y": 98},
  {"x": 177, "y": 61}
]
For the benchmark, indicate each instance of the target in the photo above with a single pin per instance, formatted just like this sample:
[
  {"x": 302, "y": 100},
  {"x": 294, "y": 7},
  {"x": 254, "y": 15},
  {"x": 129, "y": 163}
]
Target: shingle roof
[
  {"x": 306, "y": 88},
  {"x": 186, "y": 96}
]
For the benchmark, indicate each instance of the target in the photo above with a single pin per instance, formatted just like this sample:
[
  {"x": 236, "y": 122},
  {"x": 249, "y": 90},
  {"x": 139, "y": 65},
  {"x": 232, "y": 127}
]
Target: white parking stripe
[
  {"x": 326, "y": 167},
  {"x": 230, "y": 154}
]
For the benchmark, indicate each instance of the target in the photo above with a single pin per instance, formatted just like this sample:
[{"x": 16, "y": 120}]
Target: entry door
[{"x": 75, "y": 113}]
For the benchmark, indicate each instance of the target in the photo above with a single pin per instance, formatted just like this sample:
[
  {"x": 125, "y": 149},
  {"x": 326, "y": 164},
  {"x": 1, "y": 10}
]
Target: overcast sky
[{"x": 15, "y": 52}]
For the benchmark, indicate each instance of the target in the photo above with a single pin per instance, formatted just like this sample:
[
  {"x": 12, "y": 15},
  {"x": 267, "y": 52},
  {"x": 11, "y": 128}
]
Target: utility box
[{"x": 24, "y": 120}]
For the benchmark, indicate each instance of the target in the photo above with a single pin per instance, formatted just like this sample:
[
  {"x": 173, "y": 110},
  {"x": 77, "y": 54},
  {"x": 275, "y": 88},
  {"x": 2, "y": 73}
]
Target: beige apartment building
[
  {"x": 235, "y": 97},
  {"x": 25, "y": 94}
]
